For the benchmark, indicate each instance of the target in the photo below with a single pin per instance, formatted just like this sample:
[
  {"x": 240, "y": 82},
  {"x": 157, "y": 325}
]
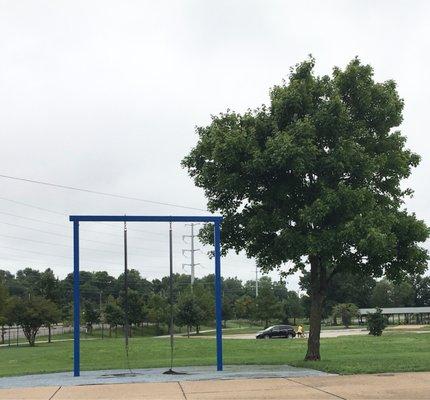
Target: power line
[
  {"x": 56, "y": 244},
  {"x": 63, "y": 226},
  {"x": 42, "y": 254},
  {"x": 55, "y": 233},
  {"x": 150, "y": 268},
  {"x": 68, "y": 236},
  {"x": 99, "y": 193},
  {"x": 68, "y": 246},
  {"x": 31, "y": 219},
  {"x": 36, "y": 230},
  {"x": 63, "y": 214},
  {"x": 32, "y": 206},
  {"x": 22, "y": 259}
]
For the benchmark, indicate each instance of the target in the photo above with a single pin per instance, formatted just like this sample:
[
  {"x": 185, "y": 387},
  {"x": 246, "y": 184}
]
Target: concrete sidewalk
[{"x": 381, "y": 386}]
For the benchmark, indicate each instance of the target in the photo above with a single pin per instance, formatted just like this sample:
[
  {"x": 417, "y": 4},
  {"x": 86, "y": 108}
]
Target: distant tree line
[
  {"x": 103, "y": 300},
  {"x": 31, "y": 299},
  {"x": 364, "y": 292}
]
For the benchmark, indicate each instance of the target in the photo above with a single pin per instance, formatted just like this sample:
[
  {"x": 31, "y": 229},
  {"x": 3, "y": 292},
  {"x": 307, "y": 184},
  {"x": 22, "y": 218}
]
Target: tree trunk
[
  {"x": 32, "y": 340},
  {"x": 49, "y": 333},
  {"x": 313, "y": 352},
  {"x": 318, "y": 285},
  {"x": 30, "y": 333}
]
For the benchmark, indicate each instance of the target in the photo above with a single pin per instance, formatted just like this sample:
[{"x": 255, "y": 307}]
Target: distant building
[{"x": 406, "y": 315}]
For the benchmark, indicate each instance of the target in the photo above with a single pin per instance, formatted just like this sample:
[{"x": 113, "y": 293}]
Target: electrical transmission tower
[{"x": 192, "y": 263}]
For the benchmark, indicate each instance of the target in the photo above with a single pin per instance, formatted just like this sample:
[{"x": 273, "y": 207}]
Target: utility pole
[
  {"x": 256, "y": 281},
  {"x": 126, "y": 327},
  {"x": 101, "y": 312},
  {"x": 192, "y": 263}
]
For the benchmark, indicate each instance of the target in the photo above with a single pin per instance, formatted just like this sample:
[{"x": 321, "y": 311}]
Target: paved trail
[{"x": 329, "y": 333}]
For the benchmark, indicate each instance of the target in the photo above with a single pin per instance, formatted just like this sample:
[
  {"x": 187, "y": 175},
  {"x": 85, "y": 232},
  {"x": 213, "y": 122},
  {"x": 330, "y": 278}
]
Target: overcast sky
[{"x": 105, "y": 95}]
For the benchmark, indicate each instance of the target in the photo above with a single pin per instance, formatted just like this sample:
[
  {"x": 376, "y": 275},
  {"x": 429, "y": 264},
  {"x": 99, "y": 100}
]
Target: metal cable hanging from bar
[
  {"x": 126, "y": 311},
  {"x": 170, "y": 371}
]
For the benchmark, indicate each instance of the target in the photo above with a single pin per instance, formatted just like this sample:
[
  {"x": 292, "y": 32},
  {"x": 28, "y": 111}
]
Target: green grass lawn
[{"x": 393, "y": 352}]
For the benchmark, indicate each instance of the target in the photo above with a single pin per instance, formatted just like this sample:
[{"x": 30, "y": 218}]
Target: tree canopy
[
  {"x": 314, "y": 179},
  {"x": 346, "y": 311},
  {"x": 31, "y": 314}
]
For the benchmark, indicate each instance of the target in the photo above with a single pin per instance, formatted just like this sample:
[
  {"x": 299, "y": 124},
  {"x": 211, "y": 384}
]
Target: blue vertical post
[
  {"x": 218, "y": 299},
  {"x": 76, "y": 301}
]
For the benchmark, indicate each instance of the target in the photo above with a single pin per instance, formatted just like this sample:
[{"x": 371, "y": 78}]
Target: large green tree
[
  {"x": 345, "y": 311},
  {"x": 244, "y": 307},
  {"x": 158, "y": 310},
  {"x": 292, "y": 307},
  {"x": 31, "y": 313},
  {"x": 383, "y": 294},
  {"x": 3, "y": 298},
  {"x": 3, "y": 302},
  {"x": 114, "y": 314},
  {"x": 189, "y": 312},
  {"x": 205, "y": 301},
  {"x": 313, "y": 179},
  {"x": 135, "y": 311},
  {"x": 422, "y": 291},
  {"x": 267, "y": 306},
  {"x": 90, "y": 315},
  {"x": 48, "y": 286}
]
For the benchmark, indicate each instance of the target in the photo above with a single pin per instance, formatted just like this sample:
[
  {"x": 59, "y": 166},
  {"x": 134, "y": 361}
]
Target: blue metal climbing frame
[{"x": 76, "y": 219}]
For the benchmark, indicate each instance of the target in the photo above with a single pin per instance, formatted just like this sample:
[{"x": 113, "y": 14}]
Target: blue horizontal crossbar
[{"x": 145, "y": 218}]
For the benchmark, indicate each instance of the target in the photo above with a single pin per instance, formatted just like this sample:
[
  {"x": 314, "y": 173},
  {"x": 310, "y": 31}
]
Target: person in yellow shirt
[{"x": 300, "y": 331}]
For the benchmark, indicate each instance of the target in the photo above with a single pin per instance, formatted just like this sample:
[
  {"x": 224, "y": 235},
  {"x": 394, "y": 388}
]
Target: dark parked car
[{"x": 277, "y": 331}]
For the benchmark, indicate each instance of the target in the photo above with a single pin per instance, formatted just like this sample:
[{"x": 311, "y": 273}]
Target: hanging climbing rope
[
  {"x": 126, "y": 306},
  {"x": 171, "y": 294},
  {"x": 170, "y": 370},
  {"x": 126, "y": 310}
]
